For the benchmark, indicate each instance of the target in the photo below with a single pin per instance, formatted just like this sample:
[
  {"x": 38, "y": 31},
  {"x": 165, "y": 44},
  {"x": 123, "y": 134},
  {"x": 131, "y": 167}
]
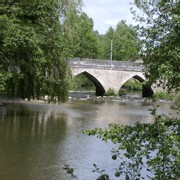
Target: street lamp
[{"x": 111, "y": 49}]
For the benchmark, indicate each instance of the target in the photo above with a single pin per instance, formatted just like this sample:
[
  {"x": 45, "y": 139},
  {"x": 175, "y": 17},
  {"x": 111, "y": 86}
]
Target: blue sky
[{"x": 106, "y": 13}]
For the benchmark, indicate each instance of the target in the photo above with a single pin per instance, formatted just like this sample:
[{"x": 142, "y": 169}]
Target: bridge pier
[
  {"x": 147, "y": 91},
  {"x": 100, "y": 92}
]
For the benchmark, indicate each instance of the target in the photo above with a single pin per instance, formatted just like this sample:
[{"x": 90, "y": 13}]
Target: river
[{"x": 37, "y": 140}]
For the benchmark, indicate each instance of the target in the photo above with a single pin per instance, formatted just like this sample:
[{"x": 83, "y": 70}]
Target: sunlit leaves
[
  {"x": 125, "y": 43},
  {"x": 151, "y": 147},
  {"x": 161, "y": 43},
  {"x": 33, "y": 50},
  {"x": 86, "y": 39}
]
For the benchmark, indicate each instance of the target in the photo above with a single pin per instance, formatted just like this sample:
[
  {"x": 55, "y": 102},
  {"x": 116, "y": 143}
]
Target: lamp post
[{"x": 111, "y": 49}]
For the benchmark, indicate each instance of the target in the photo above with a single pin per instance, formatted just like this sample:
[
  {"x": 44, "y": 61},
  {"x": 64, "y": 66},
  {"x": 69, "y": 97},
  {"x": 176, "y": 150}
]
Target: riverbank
[
  {"x": 90, "y": 96},
  {"x": 86, "y": 97},
  {"x": 130, "y": 96},
  {"x": 5, "y": 101}
]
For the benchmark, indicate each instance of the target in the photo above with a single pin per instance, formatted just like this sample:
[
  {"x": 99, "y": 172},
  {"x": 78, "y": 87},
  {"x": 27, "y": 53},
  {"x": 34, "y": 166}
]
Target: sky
[{"x": 106, "y": 13}]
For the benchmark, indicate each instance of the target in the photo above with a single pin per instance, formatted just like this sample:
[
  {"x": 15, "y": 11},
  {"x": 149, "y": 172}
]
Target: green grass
[{"x": 165, "y": 96}]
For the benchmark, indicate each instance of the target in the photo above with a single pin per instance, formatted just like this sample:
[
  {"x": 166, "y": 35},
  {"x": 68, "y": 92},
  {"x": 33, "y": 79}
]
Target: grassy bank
[{"x": 166, "y": 96}]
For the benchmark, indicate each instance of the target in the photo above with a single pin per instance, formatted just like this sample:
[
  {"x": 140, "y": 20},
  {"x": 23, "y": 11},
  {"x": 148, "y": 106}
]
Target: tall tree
[
  {"x": 161, "y": 42},
  {"x": 33, "y": 51},
  {"x": 106, "y": 43},
  {"x": 125, "y": 42},
  {"x": 69, "y": 17},
  {"x": 87, "y": 38}
]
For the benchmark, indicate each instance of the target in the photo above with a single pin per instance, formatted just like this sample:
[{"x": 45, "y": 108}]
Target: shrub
[{"x": 110, "y": 92}]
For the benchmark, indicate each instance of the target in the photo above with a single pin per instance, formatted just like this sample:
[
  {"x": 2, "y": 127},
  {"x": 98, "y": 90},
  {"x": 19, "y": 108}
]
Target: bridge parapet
[{"x": 106, "y": 64}]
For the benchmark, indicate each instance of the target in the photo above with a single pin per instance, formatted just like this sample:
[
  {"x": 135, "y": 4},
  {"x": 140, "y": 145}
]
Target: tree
[
  {"x": 86, "y": 43},
  {"x": 69, "y": 17},
  {"x": 126, "y": 44},
  {"x": 87, "y": 39},
  {"x": 161, "y": 42},
  {"x": 33, "y": 51},
  {"x": 106, "y": 43}
]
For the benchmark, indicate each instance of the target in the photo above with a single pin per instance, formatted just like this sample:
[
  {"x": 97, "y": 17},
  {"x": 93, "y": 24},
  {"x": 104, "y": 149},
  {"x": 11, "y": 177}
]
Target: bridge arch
[
  {"x": 147, "y": 91},
  {"x": 99, "y": 87},
  {"x": 107, "y": 75}
]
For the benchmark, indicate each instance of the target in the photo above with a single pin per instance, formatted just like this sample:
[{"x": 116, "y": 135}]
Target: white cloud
[{"x": 106, "y": 13}]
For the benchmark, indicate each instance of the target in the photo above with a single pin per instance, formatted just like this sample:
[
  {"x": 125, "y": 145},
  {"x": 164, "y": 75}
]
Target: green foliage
[
  {"x": 165, "y": 96},
  {"x": 161, "y": 42},
  {"x": 125, "y": 43},
  {"x": 33, "y": 49},
  {"x": 86, "y": 39},
  {"x": 105, "y": 41},
  {"x": 110, "y": 92},
  {"x": 1, "y": 80},
  {"x": 81, "y": 82},
  {"x": 133, "y": 84},
  {"x": 153, "y": 147},
  {"x": 70, "y": 15}
]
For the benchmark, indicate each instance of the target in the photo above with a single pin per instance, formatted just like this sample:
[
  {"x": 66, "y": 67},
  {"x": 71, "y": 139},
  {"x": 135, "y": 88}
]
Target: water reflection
[{"x": 37, "y": 140}]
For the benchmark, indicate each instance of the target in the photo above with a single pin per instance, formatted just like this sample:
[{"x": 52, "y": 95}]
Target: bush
[
  {"x": 81, "y": 82},
  {"x": 110, "y": 92},
  {"x": 133, "y": 84},
  {"x": 164, "y": 96}
]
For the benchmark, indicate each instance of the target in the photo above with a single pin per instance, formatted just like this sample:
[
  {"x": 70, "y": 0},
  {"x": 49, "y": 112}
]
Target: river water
[{"x": 37, "y": 140}]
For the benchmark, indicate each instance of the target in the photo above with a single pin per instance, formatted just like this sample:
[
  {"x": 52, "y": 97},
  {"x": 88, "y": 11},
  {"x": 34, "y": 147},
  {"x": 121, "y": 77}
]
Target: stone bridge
[{"x": 107, "y": 74}]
